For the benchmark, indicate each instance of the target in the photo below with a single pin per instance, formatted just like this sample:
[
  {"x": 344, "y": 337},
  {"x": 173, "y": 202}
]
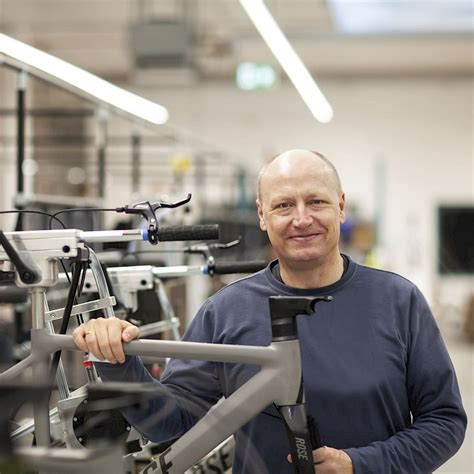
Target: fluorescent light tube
[
  {"x": 289, "y": 60},
  {"x": 78, "y": 78}
]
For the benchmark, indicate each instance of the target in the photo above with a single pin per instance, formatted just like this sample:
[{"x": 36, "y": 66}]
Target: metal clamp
[{"x": 81, "y": 308}]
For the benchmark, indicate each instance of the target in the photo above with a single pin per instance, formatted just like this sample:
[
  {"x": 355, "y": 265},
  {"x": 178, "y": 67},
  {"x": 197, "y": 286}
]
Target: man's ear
[
  {"x": 342, "y": 208},
  {"x": 263, "y": 226}
]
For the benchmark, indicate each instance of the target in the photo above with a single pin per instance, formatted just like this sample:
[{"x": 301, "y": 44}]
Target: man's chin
[{"x": 304, "y": 260}]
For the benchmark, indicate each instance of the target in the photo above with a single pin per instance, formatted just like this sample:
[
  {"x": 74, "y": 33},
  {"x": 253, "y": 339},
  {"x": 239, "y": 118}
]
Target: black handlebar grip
[
  {"x": 27, "y": 274},
  {"x": 252, "y": 266},
  {"x": 188, "y": 232}
]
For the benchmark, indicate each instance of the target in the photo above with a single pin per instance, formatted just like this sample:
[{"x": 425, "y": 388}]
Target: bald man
[{"x": 378, "y": 378}]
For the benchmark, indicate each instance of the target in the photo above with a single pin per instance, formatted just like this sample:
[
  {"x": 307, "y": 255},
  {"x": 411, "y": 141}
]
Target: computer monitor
[{"x": 456, "y": 240}]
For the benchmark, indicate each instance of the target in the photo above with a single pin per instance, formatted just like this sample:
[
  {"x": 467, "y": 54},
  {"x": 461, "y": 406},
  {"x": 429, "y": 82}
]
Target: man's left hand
[{"x": 332, "y": 461}]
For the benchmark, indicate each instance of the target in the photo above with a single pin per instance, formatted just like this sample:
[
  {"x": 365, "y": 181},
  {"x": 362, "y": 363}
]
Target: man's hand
[
  {"x": 331, "y": 461},
  {"x": 104, "y": 337}
]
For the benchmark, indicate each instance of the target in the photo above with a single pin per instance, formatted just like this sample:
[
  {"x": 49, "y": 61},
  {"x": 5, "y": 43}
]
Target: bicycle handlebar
[
  {"x": 224, "y": 268},
  {"x": 188, "y": 232},
  {"x": 165, "y": 234}
]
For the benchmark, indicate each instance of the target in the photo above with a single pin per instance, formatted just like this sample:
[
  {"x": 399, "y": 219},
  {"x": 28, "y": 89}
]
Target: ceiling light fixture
[
  {"x": 289, "y": 60},
  {"x": 84, "y": 82}
]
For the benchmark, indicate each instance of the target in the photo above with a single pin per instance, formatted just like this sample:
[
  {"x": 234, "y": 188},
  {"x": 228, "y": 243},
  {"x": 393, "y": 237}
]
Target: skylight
[{"x": 403, "y": 16}]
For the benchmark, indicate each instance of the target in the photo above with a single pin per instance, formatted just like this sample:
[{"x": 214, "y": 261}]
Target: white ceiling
[
  {"x": 95, "y": 34},
  {"x": 403, "y": 16}
]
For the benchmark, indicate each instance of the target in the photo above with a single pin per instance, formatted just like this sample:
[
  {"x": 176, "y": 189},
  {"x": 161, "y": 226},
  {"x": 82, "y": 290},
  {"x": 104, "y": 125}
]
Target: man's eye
[
  {"x": 316, "y": 201},
  {"x": 283, "y": 205}
]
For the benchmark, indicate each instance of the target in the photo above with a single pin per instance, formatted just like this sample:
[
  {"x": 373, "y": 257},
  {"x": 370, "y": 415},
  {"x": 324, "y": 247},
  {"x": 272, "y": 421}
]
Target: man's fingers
[
  {"x": 106, "y": 344},
  {"x": 115, "y": 337},
  {"x": 78, "y": 337},
  {"x": 86, "y": 339},
  {"x": 109, "y": 333},
  {"x": 321, "y": 454},
  {"x": 93, "y": 344},
  {"x": 129, "y": 331}
]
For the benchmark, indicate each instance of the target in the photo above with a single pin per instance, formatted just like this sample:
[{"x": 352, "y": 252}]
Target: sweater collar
[{"x": 284, "y": 289}]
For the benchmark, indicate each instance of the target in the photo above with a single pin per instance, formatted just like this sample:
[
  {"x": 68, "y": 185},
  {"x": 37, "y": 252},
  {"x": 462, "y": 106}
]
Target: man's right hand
[{"x": 104, "y": 338}]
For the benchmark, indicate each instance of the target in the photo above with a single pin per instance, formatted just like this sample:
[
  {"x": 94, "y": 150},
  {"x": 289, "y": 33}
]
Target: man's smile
[{"x": 304, "y": 237}]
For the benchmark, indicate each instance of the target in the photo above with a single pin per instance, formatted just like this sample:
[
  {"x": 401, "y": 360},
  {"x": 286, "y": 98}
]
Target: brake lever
[
  {"x": 147, "y": 210},
  {"x": 205, "y": 250},
  {"x": 172, "y": 205},
  {"x": 228, "y": 245}
]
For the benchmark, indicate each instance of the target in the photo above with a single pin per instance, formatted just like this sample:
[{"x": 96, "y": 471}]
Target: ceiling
[{"x": 191, "y": 40}]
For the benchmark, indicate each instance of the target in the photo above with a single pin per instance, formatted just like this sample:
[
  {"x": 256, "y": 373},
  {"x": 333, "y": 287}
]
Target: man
[{"x": 378, "y": 378}]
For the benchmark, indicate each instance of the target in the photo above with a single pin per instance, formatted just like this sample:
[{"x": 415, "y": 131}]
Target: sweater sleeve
[
  {"x": 188, "y": 388},
  {"x": 438, "y": 418}
]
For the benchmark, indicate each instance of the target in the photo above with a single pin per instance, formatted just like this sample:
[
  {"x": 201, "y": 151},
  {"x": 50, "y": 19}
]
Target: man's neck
[{"x": 313, "y": 276}]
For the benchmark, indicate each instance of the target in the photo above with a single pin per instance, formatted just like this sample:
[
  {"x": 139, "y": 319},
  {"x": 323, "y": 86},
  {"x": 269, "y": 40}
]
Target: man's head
[{"x": 301, "y": 205}]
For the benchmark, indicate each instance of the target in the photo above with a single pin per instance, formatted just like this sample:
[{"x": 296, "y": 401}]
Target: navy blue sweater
[{"x": 378, "y": 377}]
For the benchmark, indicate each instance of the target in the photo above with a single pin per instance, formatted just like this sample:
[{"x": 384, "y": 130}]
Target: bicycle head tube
[{"x": 283, "y": 312}]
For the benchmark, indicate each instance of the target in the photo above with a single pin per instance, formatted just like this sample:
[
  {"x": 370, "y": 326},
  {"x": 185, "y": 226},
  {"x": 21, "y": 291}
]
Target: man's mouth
[{"x": 305, "y": 237}]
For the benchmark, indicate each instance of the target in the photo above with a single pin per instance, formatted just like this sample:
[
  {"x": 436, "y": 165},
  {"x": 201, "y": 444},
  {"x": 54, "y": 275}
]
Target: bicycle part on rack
[
  {"x": 41, "y": 249},
  {"x": 118, "y": 258},
  {"x": 127, "y": 281},
  {"x": 214, "y": 267},
  {"x": 148, "y": 211},
  {"x": 205, "y": 248},
  {"x": 27, "y": 274}
]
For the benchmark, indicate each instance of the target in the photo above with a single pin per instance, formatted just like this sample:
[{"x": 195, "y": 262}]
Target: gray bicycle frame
[{"x": 277, "y": 382}]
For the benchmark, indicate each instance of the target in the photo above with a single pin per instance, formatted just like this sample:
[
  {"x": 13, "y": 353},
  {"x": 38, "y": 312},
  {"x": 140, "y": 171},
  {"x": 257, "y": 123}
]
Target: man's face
[{"x": 301, "y": 209}]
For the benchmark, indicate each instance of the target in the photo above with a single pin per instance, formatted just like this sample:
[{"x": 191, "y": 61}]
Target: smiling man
[
  {"x": 301, "y": 206},
  {"x": 378, "y": 377}
]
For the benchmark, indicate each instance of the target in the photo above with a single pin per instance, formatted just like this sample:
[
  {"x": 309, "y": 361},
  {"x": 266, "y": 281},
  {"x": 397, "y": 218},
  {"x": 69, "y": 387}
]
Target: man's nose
[{"x": 302, "y": 217}]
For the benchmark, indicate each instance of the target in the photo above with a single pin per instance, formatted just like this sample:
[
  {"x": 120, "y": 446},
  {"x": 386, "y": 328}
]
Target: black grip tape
[
  {"x": 188, "y": 232},
  {"x": 252, "y": 266}
]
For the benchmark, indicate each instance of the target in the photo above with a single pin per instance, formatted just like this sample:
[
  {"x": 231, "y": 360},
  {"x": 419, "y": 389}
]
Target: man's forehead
[
  {"x": 290, "y": 192},
  {"x": 287, "y": 168},
  {"x": 308, "y": 184}
]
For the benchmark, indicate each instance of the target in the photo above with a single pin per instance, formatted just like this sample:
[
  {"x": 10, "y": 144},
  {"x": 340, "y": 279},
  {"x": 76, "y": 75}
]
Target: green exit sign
[{"x": 251, "y": 76}]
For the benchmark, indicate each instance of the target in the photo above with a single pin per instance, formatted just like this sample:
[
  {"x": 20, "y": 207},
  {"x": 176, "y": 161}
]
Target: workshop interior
[{"x": 132, "y": 135}]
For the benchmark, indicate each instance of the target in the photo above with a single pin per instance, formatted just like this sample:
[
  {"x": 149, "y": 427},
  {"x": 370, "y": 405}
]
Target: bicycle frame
[{"x": 279, "y": 381}]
